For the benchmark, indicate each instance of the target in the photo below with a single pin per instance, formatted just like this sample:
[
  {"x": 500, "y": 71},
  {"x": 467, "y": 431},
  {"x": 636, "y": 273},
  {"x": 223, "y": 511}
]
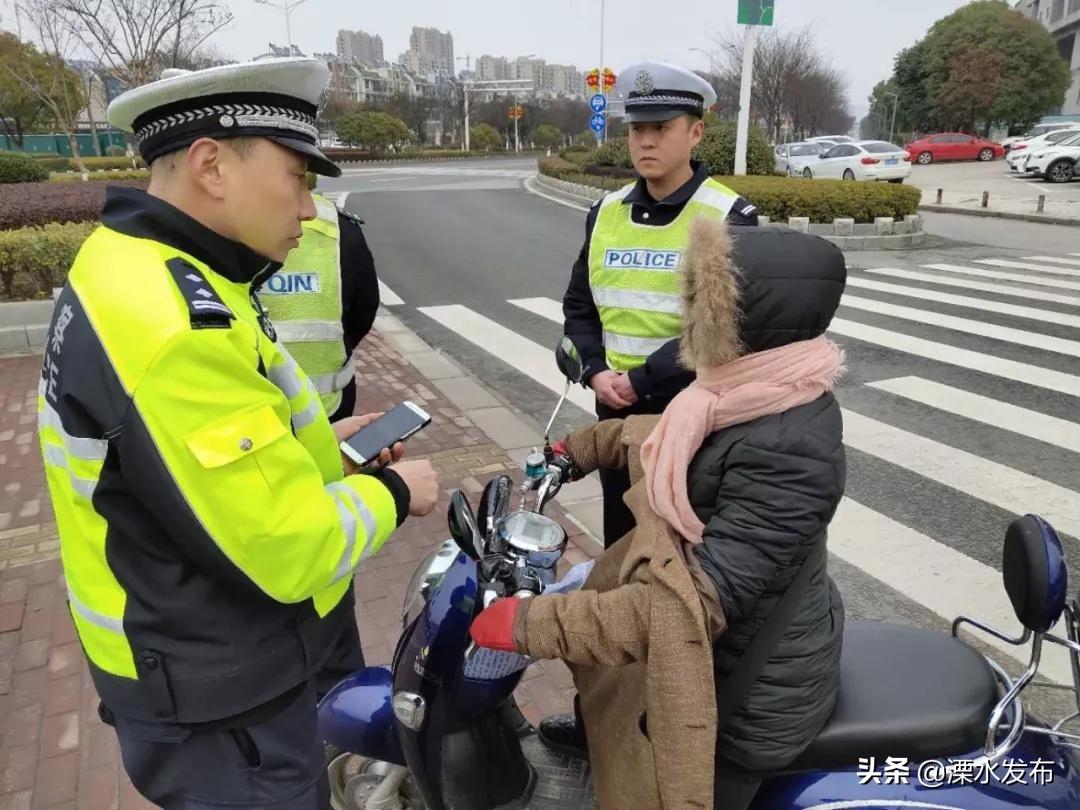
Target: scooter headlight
[{"x": 428, "y": 575}]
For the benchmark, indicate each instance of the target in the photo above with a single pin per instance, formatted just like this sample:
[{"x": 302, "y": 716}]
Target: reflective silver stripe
[
  {"x": 332, "y": 383},
  {"x": 326, "y": 211},
  {"x": 307, "y": 416},
  {"x": 634, "y": 346},
  {"x": 286, "y": 378},
  {"x": 617, "y": 196},
  {"x": 714, "y": 198},
  {"x": 80, "y": 448},
  {"x": 343, "y": 492},
  {"x": 92, "y": 616},
  {"x": 56, "y": 456},
  {"x": 670, "y": 303},
  {"x": 293, "y": 331}
]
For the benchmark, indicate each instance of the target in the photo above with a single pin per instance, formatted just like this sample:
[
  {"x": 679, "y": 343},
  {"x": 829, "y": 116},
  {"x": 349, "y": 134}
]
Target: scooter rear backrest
[{"x": 1035, "y": 573}]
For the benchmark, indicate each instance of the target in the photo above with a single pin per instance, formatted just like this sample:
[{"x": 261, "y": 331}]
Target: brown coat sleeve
[
  {"x": 587, "y": 627},
  {"x": 598, "y": 445}
]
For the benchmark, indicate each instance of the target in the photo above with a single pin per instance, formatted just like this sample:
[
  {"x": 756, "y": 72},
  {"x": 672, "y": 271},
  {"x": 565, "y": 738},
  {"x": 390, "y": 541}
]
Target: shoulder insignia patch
[
  {"x": 350, "y": 216},
  {"x": 205, "y": 308}
]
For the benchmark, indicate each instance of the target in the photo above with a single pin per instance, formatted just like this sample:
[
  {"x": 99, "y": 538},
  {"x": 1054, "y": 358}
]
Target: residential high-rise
[
  {"x": 493, "y": 68},
  {"x": 360, "y": 46},
  {"x": 1062, "y": 20},
  {"x": 432, "y": 51}
]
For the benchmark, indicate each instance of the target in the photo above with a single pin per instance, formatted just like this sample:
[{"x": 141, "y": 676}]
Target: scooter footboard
[{"x": 357, "y": 716}]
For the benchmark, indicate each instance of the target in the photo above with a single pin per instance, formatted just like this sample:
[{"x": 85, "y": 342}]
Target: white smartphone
[{"x": 396, "y": 425}]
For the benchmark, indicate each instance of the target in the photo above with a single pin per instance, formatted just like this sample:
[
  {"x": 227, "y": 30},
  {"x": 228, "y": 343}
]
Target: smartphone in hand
[{"x": 396, "y": 425}]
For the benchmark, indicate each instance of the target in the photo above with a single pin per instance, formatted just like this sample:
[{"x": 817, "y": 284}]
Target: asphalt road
[{"x": 961, "y": 398}]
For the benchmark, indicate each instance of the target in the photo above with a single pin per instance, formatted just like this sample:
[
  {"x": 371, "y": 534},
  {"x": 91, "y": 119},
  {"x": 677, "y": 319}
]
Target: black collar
[
  {"x": 133, "y": 212},
  {"x": 639, "y": 195}
]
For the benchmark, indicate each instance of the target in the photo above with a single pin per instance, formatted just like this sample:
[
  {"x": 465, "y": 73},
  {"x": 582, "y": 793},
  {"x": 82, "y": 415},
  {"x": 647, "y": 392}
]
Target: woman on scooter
[{"x": 705, "y": 645}]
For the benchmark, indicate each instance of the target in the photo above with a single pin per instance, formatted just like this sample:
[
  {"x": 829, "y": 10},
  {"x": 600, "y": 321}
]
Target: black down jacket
[{"x": 766, "y": 491}]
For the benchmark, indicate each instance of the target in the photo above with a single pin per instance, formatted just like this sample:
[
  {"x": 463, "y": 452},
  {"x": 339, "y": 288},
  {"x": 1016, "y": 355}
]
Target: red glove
[
  {"x": 494, "y": 627},
  {"x": 560, "y": 448}
]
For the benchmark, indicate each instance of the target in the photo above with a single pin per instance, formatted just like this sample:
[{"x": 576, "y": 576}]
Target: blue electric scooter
[{"x": 438, "y": 728}]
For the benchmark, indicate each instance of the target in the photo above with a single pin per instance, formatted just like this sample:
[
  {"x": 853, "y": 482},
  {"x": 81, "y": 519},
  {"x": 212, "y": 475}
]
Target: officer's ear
[
  {"x": 204, "y": 161},
  {"x": 697, "y": 129}
]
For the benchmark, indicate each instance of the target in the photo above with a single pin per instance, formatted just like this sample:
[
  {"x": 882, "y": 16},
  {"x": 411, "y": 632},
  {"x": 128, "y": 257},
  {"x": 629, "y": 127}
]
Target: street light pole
[
  {"x": 286, "y": 7},
  {"x": 896, "y": 100},
  {"x": 742, "y": 134},
  {"x": 602, "y": 88}
]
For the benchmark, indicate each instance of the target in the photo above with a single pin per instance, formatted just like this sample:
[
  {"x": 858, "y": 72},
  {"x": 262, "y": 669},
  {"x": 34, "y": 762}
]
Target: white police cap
[
  {"x": 273, "y": 98},
  {"x": 658, "y": 91}
]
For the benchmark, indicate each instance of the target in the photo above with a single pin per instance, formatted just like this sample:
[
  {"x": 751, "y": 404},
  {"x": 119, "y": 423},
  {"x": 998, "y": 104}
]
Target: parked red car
[{"x": 953, "y": 146}]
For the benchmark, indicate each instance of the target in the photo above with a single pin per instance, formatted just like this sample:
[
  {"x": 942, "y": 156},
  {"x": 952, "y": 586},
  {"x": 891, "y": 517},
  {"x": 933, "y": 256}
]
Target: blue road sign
[
  {"x": 598, "y": 122},
  {"x": 598, "y": 103}
]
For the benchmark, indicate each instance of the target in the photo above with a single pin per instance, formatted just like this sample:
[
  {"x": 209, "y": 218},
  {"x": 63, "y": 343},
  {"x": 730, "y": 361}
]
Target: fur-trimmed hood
[{"x": 748, "y": 289}]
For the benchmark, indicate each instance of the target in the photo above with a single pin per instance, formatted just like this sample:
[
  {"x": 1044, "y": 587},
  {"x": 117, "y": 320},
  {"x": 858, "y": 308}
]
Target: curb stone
[{"x": 1043, "y": 219}]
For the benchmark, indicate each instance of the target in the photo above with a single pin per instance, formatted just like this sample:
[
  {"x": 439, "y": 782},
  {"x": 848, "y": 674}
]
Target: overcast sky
[{"x": 862, "y": 36}]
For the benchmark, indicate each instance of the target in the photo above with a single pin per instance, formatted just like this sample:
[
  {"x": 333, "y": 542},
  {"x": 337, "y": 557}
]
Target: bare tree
[
  {"x": 786, "y": 65},
  {"x": 138, "y": 38},
  {"x": 47, "y": 74}
]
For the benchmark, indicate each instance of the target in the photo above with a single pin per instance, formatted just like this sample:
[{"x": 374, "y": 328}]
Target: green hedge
[
  {"x": 717, "y": 150},
  {"x": 36, "y": 259},
  {"x": 781, "y": 197},
  {"x": 66, "y": 164},
  {"x": 109, "y": 176},
  {"x": 18, "y": 168}
]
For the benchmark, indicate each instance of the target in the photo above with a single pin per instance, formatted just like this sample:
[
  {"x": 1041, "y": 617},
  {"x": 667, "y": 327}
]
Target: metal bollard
[
  {"x": 939, "y": 193},
  {"x": 1041, "y": 205},
  {"x": 986, "y": 199}
]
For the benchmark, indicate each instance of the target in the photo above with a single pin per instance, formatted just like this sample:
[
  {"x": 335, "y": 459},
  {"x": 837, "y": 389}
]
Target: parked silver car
[{"x": 795, "y": 159}]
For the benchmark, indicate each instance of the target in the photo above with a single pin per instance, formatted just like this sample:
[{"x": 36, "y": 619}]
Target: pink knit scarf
[{"x": 745, "y": 389}]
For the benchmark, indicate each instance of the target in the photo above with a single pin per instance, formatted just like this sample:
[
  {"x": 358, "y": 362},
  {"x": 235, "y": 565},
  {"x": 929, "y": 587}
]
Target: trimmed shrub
[
  {"x": 18, "y": 168},
  {"x": 614, "y": 152},
  {"x": 42, "y": 203},
  {"x": 129, "y": 174},
  {"x": 782, "y": 197},
  {"x": 53, "y": 164},
  {"x": 36, "y": 259},
  {"x": 717, "y": 150},
  {"x": 106, "y": 163}
]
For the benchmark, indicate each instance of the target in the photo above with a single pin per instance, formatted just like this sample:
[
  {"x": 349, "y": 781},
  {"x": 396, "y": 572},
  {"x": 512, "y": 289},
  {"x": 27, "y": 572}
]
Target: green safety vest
[
  {"x": 303, "y": 300},
  {"x": 216, "y": 440},
  {"x": 633, "y": 273}
]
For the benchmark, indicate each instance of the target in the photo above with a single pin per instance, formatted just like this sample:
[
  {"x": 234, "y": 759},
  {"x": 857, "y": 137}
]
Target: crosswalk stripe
[
  {"x": 933, "y": 574},
  {"x": 531, "y": 359},
  {"x": 1038, "y": 268},
  {"x": 1002, "y": 415},
  {"x": 1005, "y": 334},
  {"x": 982, "y": 286},
  {"x": 1053, "y": 259},
  {"x": 388, "y": 297},
  {"x": 965, "y": 358},
  {"x": 989, "y": 481},
  {"x": 989, "y": 364},
  {"x": 1034, "y": 313},
  {"x": 1041, "y": 281},
  {"x": 544, "y": 307}
]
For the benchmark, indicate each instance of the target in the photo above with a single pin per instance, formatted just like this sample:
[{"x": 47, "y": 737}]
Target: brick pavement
[{"x": 54, "y": 751}]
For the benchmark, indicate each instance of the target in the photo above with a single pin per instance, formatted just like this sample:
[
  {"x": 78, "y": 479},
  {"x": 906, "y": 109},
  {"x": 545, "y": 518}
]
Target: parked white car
[
  {"x": 1018, "y": 154},
  {"x": 834, "y": 138},
  {"x": 865, "y": 160},
  {"x": 1035, "y": 132},
  {"x": 794, "y": 159},
  {"x": 1057, "y": 162}
]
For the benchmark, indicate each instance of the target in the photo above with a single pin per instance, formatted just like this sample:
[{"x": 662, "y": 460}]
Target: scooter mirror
[
  {"x": 568, "y": 359},
  {"x": 493, "y": 504},
  {"x": 463, "y": 528}
]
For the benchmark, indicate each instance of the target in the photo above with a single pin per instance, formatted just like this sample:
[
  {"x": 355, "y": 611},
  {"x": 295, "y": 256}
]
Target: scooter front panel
[{"x": 357, "y": 716}]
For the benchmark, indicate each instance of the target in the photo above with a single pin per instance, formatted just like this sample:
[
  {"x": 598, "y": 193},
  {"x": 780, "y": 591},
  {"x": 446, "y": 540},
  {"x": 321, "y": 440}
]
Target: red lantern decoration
[{"x": 609, "y": 78}]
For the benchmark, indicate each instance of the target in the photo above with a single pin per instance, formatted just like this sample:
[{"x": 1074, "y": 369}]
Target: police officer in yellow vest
[
  {"x": 323, "y": 302},
  {"x": 623, "y": 304},
  {"x": 209, "y": 526}
]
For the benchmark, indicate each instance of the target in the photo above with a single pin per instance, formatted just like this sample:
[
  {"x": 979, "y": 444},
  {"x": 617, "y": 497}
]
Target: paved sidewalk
[{"x": 54, "y": 751}]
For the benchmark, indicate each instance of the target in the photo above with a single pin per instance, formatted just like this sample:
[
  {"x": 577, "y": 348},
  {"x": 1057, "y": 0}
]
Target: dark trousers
[
  {"x": 278, "y": 763},
  {"x": 733, "y": 789}
]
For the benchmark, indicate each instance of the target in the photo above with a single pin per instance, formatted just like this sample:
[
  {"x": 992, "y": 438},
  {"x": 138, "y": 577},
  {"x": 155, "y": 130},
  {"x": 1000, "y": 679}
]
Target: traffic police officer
[
  {"x": 323, "y": 302},
  {"x": 623, "y": 304},
  {"x": 208, "y": 526}
]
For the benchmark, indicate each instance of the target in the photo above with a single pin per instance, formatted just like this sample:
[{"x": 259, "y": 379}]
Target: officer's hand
[
  {"x": 423, "y": 483},
  {"x": 625, "y": 389},
  {"x": 345, "y": 428},
  {"x": 604, "y": 386}
]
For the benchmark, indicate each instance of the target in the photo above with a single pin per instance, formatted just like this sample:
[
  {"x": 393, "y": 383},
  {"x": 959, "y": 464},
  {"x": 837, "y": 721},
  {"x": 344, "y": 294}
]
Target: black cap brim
[{"x": 317, "y": 161}]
